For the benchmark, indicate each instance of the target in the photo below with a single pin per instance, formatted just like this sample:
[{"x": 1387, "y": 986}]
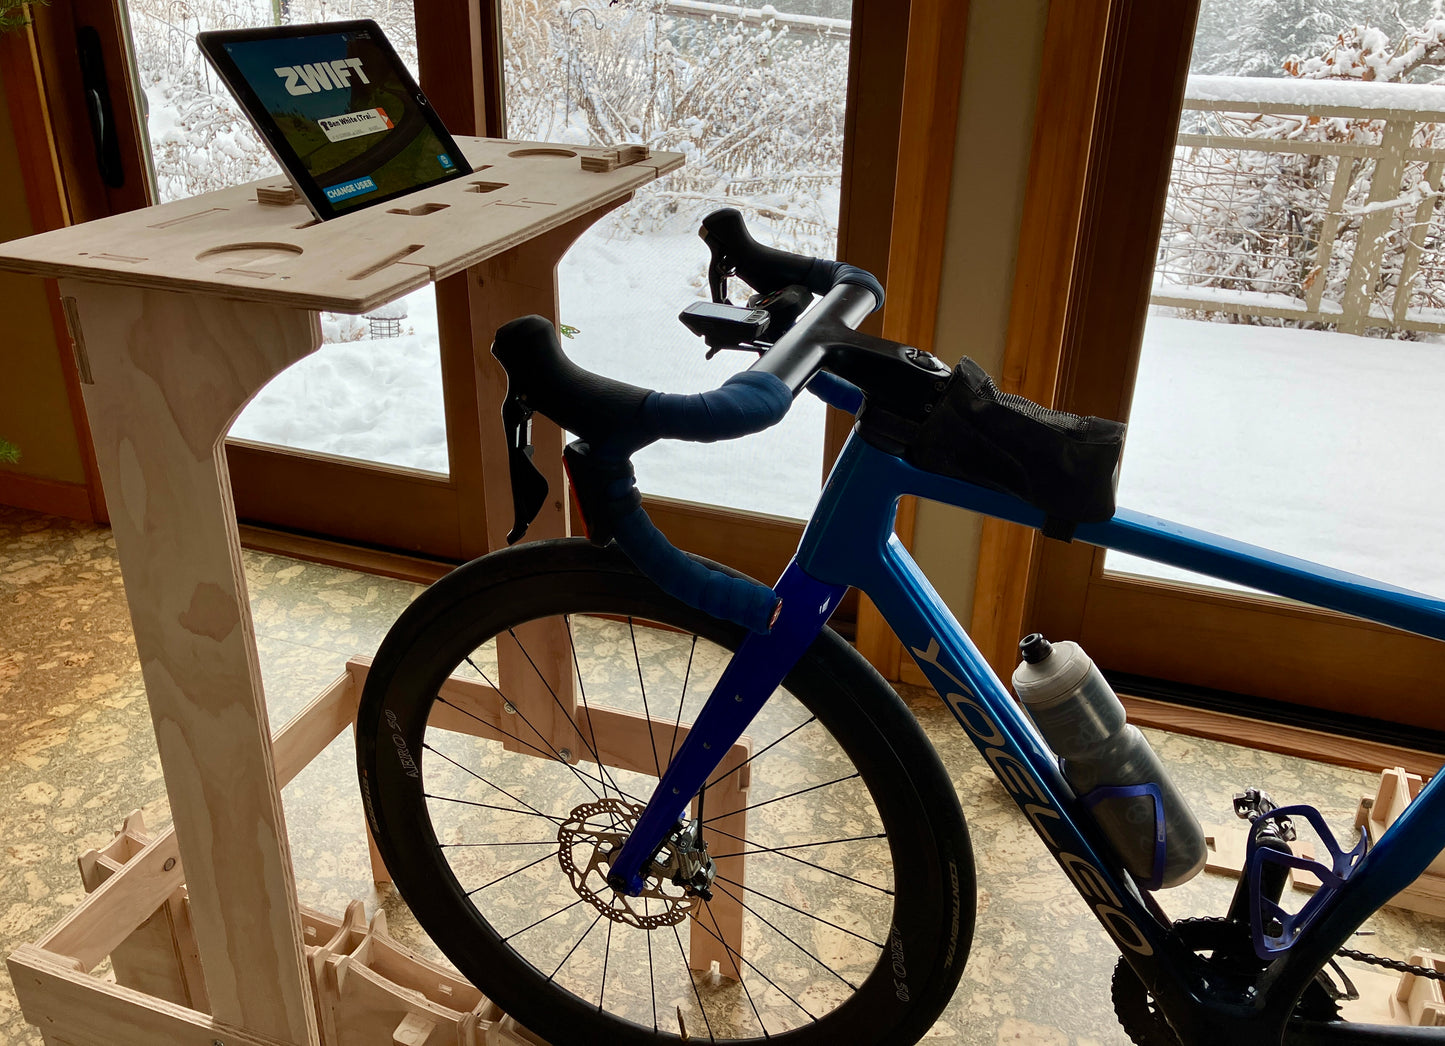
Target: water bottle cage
[
  {"x": 1149, "y": 788},
  {"x": 1274, "y": 930}
]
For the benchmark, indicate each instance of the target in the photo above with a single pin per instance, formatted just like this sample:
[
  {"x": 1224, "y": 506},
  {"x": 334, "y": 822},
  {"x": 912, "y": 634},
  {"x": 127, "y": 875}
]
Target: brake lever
[{"x": 529, "y": 486}]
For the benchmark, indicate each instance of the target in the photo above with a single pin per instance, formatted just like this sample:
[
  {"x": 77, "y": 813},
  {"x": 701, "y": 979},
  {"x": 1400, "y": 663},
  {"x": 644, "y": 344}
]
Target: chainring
[{"x": 1141, "y": 1017}]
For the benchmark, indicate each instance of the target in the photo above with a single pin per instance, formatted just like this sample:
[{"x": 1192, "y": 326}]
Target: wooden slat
[
  {"x": 350, "y": 557},
  {"x": 314, "y": 727},
  {"x": 1277, "y": 737},
  {"x": 71, "y": 500},
  {"x": 119, "y": 905},
  {"x": 81, "y": 1010}
]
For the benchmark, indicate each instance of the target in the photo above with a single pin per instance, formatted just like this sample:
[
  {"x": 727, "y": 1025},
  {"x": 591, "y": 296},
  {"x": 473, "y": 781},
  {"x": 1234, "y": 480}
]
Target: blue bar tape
[
  {"x": 836, "y": 392},
  {"x": 742, "y": 602},
  {"x": 745, "y": 403}
]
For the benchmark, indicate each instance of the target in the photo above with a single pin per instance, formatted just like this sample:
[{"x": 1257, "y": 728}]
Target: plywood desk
[{"x": 180, "y": 314}]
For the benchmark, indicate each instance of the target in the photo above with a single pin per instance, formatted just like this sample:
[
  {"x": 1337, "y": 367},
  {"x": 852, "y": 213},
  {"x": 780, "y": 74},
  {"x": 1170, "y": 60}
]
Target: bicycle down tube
[{"x": 849, "y": 542}]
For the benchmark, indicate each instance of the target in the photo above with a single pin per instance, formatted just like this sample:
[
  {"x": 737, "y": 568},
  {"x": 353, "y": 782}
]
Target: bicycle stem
[{"x": 755, "y": 671}]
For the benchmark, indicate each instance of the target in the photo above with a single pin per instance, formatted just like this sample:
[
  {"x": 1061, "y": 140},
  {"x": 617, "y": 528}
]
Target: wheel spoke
[
  {"x": 749, "y": 908},
  {"x": 821, "y": 868},
  {"x": 687, "y": 972},
  {"x": 592, "y": 926},
  {"x": 514, "y": 871},
  {"x": 539, "y": 922},
  {"x": 606, "y": 954},
  {"x": 582, "y": 690},
  {"x": 642, "y": 686},
  {"x": 489, "y": 784},
  {"x": 785, "y": 904},
  {"x": 791, "y": 846},
  {"x": 681, "y": 700},
  {"x": 790, "y": 795},
  {"x": 549, "y": 756},
  {"x": 523, "y": 716},
  {"x": 718, "y": 926},
  {"x": 770, "y": 744},
  {"x": 566, "y": 713},
  {"x": 491, "y": 806},
  {"x": 760, "y": 973},
  {"x": 536, "y": 842}
]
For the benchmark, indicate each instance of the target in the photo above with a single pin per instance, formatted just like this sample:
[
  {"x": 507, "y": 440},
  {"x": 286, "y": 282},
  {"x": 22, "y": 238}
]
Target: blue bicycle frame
[{"x": 850, "y": 542}]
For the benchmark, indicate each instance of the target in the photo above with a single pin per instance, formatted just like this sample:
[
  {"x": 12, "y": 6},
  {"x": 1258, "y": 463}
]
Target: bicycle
[{"x": 580, "y": 872}]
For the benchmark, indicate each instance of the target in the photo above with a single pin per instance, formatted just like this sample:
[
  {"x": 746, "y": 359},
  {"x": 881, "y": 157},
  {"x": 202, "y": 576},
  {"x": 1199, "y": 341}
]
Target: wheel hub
[{"x": 591, "y": 838}]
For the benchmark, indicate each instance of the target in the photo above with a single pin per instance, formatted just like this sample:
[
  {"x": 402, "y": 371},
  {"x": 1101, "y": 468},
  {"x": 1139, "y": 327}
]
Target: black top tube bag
[{"x": 1061, "y": 463}]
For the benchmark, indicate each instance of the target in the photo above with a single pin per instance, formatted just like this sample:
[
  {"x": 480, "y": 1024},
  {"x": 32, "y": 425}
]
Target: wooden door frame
[
  {"x": 1098, "y": 180},
  {"x": 62, "y": 186},
  {"x": 1078, "y": 313},
  {"x": 933, "y": 79}
]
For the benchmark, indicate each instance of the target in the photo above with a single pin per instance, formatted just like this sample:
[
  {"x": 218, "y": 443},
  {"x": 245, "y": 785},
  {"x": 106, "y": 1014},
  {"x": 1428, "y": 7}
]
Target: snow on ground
[
  {"x": 381, "y": 400},
  {"x": 1326, "y": 446},
  {"x": 1321, "y": 445},
  {"x": 378, "y": 400},
  {"x": 624, "y": 295}
]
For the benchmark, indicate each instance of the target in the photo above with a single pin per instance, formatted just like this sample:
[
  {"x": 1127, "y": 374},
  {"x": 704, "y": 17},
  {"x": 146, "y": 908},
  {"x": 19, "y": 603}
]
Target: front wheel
[{"x": 837, "y": 893}]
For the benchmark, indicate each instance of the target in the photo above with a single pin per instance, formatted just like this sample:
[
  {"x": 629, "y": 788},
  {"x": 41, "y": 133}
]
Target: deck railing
[{"x": 1308, "y": 200}]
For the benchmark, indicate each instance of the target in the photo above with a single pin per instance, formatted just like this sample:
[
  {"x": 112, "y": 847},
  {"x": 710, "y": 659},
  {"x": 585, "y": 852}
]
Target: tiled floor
[{"x": 77, "y": 754}]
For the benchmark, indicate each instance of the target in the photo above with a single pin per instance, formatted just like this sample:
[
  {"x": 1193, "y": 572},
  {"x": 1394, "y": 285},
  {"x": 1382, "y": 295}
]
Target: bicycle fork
[{"x": 758, "y": 667}]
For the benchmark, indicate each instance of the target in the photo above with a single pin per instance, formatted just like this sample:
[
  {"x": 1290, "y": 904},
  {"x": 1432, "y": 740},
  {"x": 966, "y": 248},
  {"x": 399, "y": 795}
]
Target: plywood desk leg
[
  {"x": 170, "y": 372},
  {"x": 720, "y": 937},
  {"x": 515, "y": 283}
]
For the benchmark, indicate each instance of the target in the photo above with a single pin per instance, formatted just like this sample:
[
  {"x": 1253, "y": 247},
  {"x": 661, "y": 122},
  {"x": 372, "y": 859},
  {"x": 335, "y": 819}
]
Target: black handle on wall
[{"x": 98, "y": 107}]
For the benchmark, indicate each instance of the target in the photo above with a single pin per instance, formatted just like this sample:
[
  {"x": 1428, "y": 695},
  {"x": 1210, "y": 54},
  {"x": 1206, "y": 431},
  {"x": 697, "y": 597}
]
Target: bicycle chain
[
  {"x": 1390, "y": 964},
  {"x": 1141, "y": 1018},
  {"x": 1145, "y": 1025}
]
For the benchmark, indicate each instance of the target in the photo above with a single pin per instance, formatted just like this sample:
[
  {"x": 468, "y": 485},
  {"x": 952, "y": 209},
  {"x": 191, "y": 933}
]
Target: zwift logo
[{"x": 321, "y": 76}]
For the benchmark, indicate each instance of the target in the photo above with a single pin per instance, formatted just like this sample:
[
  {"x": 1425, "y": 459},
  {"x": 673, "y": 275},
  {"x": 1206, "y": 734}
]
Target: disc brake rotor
[{"x": 589, "y": 839}]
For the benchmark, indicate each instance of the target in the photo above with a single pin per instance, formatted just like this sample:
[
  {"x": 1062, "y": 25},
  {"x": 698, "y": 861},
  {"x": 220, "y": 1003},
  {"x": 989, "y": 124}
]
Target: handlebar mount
[{"x": 613, "y": 419}]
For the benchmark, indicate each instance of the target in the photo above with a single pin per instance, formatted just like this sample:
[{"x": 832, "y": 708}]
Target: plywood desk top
[{"x": 227, "y": 244}]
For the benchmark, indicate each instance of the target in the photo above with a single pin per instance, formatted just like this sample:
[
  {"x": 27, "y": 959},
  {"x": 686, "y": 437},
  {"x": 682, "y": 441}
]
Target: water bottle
[{"x": 1109, "y": 763}]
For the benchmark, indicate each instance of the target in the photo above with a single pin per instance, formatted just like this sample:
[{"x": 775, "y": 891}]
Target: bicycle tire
[{"x": 920, "y": 952}]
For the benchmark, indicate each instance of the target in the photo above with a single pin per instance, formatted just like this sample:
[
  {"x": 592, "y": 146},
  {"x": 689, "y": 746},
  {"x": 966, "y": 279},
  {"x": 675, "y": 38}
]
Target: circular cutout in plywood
[
  {"x": 542, "y": 151},
  {"x": 249, "y": 254}
]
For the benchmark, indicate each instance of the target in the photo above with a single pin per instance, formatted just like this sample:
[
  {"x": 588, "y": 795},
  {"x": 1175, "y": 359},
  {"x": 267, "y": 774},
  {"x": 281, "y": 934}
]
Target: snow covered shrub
[
  {"x": 757, "y": 110},
  {"x": 1251, "y": 224}
]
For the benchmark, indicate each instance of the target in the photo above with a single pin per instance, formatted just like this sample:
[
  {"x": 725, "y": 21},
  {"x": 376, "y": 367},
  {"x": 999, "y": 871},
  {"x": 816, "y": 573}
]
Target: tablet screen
[{"x": 347, "y": 109}]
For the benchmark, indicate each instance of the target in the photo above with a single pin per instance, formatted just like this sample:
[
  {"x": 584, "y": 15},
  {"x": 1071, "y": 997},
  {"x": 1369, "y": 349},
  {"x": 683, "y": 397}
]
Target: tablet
[{"x": 338, "y": 109}]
